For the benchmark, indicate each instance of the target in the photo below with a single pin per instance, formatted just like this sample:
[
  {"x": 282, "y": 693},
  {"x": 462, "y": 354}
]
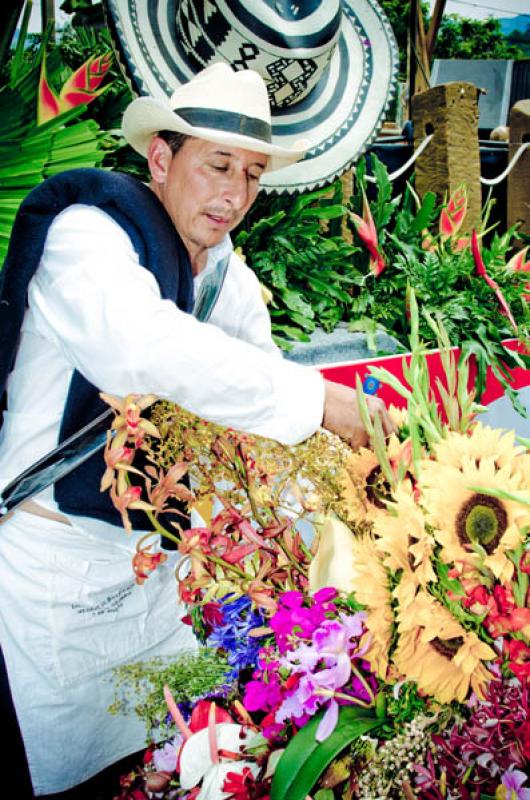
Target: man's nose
[{"x": 236, "y": 190}]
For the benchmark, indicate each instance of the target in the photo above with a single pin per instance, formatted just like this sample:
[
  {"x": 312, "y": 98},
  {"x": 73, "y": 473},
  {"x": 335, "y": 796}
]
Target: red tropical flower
[
  {"x": 81, "y": 87},
  {"x": 367, "y": 233},
  {"x": 481, "y": 271},
  {"x": 518, "y": 263},
  {"x": 239, "y": 785},
  {"x": 452, "y": 216}
]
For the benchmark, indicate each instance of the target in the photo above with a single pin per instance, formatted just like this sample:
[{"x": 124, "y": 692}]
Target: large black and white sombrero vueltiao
[{"x": 329, "y": 65}]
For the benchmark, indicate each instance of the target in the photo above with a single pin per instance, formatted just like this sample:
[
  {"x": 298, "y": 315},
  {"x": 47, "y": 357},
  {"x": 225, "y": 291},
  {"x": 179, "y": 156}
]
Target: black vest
[{"x": 160, "y": 250}]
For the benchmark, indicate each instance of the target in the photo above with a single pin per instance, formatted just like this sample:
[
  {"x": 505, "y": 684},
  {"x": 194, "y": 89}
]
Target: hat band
[{"x": 227, "y": 121}]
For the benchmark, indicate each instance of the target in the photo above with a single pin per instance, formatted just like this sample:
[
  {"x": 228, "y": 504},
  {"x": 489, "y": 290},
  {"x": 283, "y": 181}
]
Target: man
[{"x": 109, "y": 290}]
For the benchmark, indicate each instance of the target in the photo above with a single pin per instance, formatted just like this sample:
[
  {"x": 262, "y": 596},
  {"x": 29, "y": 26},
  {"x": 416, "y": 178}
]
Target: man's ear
[{"x": 159, "y": 157}]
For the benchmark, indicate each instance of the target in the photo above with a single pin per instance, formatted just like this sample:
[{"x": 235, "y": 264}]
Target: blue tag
[{"x": 371, "y": 385}]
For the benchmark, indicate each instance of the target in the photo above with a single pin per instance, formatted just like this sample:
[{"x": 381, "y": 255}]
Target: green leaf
[
  {"x": 323, "y": 212},
  {"x": 423, "y": 217},
  {"x": 305, "y": 759}
]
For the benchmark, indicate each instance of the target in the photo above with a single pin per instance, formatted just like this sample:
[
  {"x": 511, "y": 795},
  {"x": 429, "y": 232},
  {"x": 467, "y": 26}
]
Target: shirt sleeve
[
  {"x": 241, "y": 309},
  {"x": 103, "y": 309}
]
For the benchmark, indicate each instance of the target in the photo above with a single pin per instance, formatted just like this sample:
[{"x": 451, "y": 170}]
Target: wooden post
[
  {"x": 519, "y": 178},
  {"x": 434, "y": 25},
  {"x": 452, "y": 158}
]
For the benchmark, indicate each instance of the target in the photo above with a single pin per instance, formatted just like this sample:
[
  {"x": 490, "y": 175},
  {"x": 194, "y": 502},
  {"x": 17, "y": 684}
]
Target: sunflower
[
  {"x": 436, "y": 652},
  {"x": 364, "y": 490},
  {"x": 369, "y": 582},
  {"x": 469, "y": 521},
  {"x": 481, "y": 444},
  {"x": 404, "y": 544}
]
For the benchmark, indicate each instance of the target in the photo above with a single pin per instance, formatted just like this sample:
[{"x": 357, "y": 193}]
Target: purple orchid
[
  {"x": 513, "y": 780},
  {"x": 165, "y": 758}
]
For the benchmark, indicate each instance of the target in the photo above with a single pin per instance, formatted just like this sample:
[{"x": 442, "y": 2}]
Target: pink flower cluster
[{"x": 317, "y": 665}]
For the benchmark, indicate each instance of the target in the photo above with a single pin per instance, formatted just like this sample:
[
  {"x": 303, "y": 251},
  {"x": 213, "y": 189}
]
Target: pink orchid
[
  {"x": 81, "y": 87},
  {"x": 367, "y": 233},
  {"x": 481, "y": 271}
]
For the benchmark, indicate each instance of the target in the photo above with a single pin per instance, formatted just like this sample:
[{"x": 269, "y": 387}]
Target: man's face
[{"x": 208, "y": 189}]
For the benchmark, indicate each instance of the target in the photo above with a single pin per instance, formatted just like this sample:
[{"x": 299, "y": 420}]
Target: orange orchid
[
  {"x": 118, "y": 459},
  {"x": 144, "y": 561},
  {"x": 367, "y": 233},
  {"x": 81, "y": 87},
  {"x": 168, "y": 485},
  {"x": 130, "y": 498},
  {"x": 129, "y": 419},
  {"x": 481, "y": 270}
]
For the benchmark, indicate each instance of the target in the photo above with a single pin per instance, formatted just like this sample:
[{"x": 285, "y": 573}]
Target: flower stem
[
  {"x": 159, "y": 528},
  {"x": 341, "y": 696},
  {"x": 364, "y": 683}
]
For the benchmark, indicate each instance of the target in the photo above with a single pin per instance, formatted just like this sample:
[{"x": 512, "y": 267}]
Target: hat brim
[
  {"x": 341, "y": 116},
  {"x": 145, "y": 116}
]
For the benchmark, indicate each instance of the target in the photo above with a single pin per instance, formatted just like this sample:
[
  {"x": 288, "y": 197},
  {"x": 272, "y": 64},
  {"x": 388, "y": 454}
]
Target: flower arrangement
[{"x": 365, "y": 616}]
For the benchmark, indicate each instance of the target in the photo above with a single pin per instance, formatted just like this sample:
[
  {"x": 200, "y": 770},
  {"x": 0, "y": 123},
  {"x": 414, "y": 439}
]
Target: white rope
[
  {"x": 408, "y": 164},
  {"x": 511, "y": 165}
]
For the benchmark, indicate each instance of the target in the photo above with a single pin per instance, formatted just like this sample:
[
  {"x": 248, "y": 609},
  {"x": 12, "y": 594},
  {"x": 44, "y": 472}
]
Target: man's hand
[{"x": 341, "y": 414}]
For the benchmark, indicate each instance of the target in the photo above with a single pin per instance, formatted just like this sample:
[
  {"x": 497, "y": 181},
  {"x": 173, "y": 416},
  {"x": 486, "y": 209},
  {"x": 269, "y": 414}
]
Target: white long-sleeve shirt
[
  {"x": 93, "y": 308},
  {"x": 69, "y": 608}
]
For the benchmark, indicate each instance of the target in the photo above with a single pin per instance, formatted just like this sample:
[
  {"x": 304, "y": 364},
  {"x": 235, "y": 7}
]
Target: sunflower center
[
  {"x": 482, "y": 520},
  {"x": 377, "y": 488},
  {"x": 447, "y": 647}
]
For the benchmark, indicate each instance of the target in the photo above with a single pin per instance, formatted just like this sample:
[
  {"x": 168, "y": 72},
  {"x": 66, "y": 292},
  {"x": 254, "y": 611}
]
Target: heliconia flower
[
  {"x": 367, "y": 233},
  {"x": 481, "y": 271},
  {"x": 81, "y": 87},
  {"x": 428, "y": 242},
  {"x": 518, "y": 263},
  {"x": 452, "y": 216},
  {"x": 460, "y": 244},
  {"x": 48, "y": 105}
]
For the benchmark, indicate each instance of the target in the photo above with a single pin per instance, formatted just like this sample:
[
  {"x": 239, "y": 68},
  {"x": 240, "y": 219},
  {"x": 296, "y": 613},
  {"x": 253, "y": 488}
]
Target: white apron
[{"x": 70, "y": 612}]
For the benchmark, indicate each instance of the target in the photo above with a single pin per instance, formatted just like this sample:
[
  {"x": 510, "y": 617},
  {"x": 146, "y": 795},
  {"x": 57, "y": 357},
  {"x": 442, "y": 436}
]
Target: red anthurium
[
  {"x": 452, "y": 216},
  {"x": 367, "y": 233},
  {"x": 481, "y": 270},
  {"x": 201, "y": 715}
]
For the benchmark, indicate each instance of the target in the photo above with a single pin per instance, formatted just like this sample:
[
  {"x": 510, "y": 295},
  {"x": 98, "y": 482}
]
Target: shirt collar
[{"x": 215, "y": 254}]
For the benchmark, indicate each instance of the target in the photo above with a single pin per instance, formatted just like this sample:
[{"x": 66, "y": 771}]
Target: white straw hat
[
  {"x": 329, "y": 67},
  {"x": 218, "y": 104}
]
